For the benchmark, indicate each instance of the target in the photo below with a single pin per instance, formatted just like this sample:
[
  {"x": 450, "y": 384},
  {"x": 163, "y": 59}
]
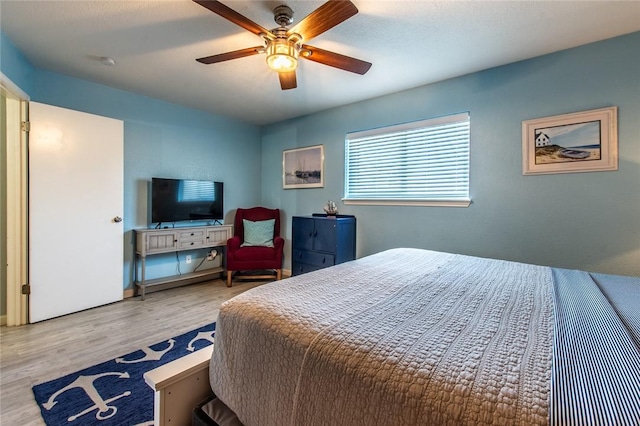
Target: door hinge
[
  {"x": 26, "y": 289},
  {"x": 26, "y": 126}
]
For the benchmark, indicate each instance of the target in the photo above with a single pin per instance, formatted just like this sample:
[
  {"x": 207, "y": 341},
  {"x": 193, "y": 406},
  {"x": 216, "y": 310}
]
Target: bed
[{"x": 417, "y": 337}]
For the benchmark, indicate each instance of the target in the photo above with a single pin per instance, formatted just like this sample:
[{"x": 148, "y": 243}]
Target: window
[{"x": 419, "y": 163}]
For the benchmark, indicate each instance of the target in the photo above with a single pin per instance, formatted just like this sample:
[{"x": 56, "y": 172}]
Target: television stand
[{"x": 151, "y": 242}]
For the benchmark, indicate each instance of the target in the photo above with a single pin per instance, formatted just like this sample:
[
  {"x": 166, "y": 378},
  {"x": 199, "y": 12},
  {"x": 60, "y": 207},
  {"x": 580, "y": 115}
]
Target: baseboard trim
[
  {"x": 286, "y": 273},
  {"x": 128, "y": 293}
]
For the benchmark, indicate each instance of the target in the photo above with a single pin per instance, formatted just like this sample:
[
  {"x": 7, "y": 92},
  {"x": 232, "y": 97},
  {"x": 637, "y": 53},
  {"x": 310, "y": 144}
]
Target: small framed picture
[
  {"x": 303, "y": 167},
  {"x": 569, "y": 143}
]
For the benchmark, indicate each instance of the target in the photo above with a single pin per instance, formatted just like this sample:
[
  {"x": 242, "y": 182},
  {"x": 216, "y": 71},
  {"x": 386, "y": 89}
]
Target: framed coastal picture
[
  {"x": 584, "y": 141},
  {"x": 303, "y": 167}
]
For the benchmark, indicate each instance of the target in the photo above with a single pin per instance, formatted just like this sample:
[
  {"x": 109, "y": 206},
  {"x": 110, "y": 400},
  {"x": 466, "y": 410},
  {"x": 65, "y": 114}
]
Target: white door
[{"x": 75, "y": 205}]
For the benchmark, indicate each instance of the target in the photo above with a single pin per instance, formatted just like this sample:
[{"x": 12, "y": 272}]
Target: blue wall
[
  {"x": 160, "y": 139},
  {"x": 14, "y": 65},
  {"x": 585, "y": 221}
]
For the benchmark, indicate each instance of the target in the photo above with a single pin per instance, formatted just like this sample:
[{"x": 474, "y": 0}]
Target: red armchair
[{"x": 243, "y": 257}]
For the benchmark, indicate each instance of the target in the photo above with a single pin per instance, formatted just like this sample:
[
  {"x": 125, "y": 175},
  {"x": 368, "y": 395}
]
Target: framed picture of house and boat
[
  {"x": 303, "y": 167},
  {"x": 584, "y": 141}
]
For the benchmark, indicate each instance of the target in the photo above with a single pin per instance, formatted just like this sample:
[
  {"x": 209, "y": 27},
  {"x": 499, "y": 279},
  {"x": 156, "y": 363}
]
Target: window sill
[{"x": 423, "y": 203}]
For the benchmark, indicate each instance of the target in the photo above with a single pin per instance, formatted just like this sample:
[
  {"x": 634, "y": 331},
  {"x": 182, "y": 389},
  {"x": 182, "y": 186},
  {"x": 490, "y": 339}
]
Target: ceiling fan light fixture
[
  {"x": 283, "y": 46},
  {"x": 282, "y": 55}
]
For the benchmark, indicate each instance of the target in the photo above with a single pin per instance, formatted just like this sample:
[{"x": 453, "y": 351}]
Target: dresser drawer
[
  {"x": 183, "y": 245},
  {"x": 303, "y": 268},
  {"x": 192, "y": 238},
  {"x": 191, "y": 234},
  {"x": 313, "y": 258}
]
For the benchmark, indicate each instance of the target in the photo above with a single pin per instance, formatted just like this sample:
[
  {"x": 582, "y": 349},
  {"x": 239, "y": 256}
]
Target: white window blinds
[{"x": 422, "y": 162}]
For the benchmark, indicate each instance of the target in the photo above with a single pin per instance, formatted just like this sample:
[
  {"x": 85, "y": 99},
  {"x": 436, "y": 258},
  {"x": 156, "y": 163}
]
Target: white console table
[{"x": 156, "y": 241}]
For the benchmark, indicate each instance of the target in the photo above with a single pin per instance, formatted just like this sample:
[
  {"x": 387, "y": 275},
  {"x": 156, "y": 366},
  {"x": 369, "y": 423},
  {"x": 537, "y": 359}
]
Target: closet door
[{"x": 75, "y": 210}]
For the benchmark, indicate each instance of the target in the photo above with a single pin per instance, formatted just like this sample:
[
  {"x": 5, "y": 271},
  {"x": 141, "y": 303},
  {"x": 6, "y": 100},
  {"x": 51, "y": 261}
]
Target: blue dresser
[{"x": 320, "y": 241}]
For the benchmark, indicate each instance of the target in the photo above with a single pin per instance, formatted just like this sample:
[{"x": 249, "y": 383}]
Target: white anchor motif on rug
[
  {"x": 149, "y": 354},
  {"x": 202, "y": 335},
  {"x": 105, "y": 411}
]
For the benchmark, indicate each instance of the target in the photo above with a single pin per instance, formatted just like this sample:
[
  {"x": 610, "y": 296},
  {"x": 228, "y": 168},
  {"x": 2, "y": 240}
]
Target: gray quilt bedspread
[{"x": 403, "y": 337}]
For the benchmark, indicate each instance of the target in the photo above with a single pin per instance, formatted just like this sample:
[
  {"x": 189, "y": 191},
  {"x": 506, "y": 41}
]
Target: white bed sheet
[{"x": 403, "y": 337}]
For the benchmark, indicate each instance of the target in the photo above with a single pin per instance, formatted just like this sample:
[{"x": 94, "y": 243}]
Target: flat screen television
[{"x": 175, "y": 200}]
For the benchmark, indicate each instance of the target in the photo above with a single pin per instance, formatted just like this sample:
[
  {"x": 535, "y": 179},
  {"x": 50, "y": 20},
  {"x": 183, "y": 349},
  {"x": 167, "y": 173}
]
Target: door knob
[{"x": 117, "y": 219}]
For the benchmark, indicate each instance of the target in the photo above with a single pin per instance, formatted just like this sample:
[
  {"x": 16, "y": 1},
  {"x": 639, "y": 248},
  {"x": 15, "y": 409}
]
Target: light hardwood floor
[{"x": 36, "y": 353}]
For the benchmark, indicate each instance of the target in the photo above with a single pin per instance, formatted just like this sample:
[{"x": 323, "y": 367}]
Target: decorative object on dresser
[
  {"x": 156, "y": 241},
  {"x": 320, "y": 241},
  {"x": 256, "y": 244},
  {"x": 331, "y": 209}
]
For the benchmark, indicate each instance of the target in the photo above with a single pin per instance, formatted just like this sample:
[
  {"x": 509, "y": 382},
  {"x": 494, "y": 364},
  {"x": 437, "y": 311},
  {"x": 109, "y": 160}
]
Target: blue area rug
[{"x": 114, "y": 392}]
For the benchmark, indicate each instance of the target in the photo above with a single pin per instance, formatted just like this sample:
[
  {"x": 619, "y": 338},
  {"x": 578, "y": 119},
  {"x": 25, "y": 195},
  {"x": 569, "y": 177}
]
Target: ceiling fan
[{"x": 284, "y": 46}]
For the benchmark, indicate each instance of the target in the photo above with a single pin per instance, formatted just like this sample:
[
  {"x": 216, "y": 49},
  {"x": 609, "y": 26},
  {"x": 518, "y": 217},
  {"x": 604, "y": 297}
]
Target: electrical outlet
[{"x": 188, "y": 259}]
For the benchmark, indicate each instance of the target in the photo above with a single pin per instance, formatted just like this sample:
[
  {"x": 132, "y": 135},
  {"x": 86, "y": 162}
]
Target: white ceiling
[{"x": 410, "y": 43}]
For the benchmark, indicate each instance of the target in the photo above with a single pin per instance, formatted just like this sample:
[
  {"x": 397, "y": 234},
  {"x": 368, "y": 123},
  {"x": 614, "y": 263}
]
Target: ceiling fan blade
[
  {"x": 335, "y": 60},
  {"x": 324, "y": 18},
  {"x": 233, "y": 16},
  {"x": 288, "y": 80},
  {"x": 231, "y": 55}
]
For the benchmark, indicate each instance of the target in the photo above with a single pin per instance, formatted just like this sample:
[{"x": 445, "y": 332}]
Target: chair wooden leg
[
  {"x": 278, "y": 274},
  {"x": 229, "y": 275}
]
